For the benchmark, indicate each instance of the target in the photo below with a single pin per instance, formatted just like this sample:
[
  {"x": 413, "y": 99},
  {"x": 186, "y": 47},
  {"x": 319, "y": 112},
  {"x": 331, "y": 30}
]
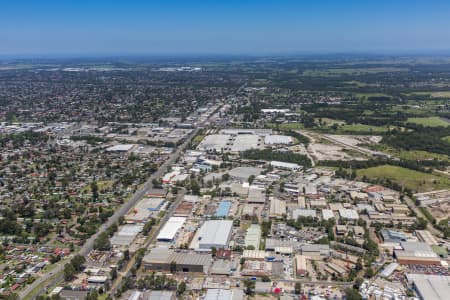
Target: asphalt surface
[{"x": 89, "y": 244}]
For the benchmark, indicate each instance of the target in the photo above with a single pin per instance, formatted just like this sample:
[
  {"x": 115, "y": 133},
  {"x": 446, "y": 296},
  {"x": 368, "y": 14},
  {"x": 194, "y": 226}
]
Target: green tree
[
  {"x": 249, "y": 287},
  {"x": 94, "y": 190},
  {"x": 352, "y": 294},
  {"x": 77, "y": 262},
  {"x": 69, "y": 272},
  {"x": 181, "y": 288},
  {"x": 298, "y": 288},
  {"x": 173, "y": 267},
  {"x": 102, "y": 242}
]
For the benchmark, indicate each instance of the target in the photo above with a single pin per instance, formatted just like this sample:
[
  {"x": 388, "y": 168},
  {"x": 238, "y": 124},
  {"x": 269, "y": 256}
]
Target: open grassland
[
  {"x": 368, "y": 95},
  {"x": 440, "y": 94},
  {"x": 408, "y": 154},
  {"x": 328, "y": 121},
  {"x": 430, "y": 121},
  {"x": 447, "y": 139},
  {"x": 362, "y": 128},
  {"x": 414, "y": 180},
  {"x": 420, "y": 155},
  {"x": 286, "y": 126}
]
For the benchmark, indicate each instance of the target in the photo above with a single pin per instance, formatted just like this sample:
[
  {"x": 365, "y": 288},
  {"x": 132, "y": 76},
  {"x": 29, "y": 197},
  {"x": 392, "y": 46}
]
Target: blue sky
[{"x": 222, "y": 27}]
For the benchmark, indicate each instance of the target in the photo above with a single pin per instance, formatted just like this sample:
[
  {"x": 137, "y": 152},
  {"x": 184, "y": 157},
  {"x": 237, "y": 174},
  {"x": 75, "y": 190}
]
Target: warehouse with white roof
[
  {"x": 213, "y": 234},
  {"x": 277, "y": 139},
  {"x": 285, "y": 165},
  {"x": 170, "y": 229},
  {"x": 349, "y": 214}
]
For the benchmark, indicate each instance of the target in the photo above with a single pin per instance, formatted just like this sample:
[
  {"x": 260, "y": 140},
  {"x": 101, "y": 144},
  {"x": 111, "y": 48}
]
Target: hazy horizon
[{"x": 106, "y": 28}]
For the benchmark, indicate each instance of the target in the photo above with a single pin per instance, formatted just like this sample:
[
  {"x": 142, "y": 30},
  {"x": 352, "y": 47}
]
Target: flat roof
[
  {"x": 217, "y": 142},
  {"x": 214, "y": 233},
  {"x": 302, "y": 212},
  {"x": 277, "y": 139},
  {"x": 171, "y": 228},
  {"x": 218, "y": 294},
  {"x": 166, "y": 256},
  {"x": 245, "y": 172},
  {"x": 347, "y": 213},
  {"x": 120, "y": 148},
  {"x": 245, "y": 142},
  {"x": 432, "y": 288},
  {"x": 253, "y": 236}
]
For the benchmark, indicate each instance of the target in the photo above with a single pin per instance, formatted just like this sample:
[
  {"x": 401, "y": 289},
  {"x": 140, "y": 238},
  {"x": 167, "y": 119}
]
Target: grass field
[
  {"x": 367, "y": 95},
  {"x": 447, "y": 139},
  {"x": 414, "y": 180},
  {"x": 328, "y": 121},
  {"x": 360, "y": 128},
  {"x": 441, "y": 94},
  {"x": 430, "y": 121},
  {"x": 420, "y": 155},
  {"x": 289, "y": 126}
]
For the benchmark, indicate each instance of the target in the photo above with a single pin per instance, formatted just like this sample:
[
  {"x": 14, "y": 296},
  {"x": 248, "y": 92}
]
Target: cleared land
[
  {"x": 430, "y": 121},
  {"x": 414, "y": 180}
]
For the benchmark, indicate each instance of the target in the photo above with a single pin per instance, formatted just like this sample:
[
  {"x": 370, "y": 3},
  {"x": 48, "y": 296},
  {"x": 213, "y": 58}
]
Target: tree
[
  {"x": 69, "y": 272},
  {"x": 298, "y": 288},
  {"x": 92, "y": 295},
  {"x": 357, "y": 283},
  {"x": 352, "y": 294},
  {"x": 94, "y": 189},
  {"x": 173, "y": 266},
  {"x": 249, "y": 287},
  {"x": 368, "y": 273},
  {"x": 250, "y": 179},
  {"x": 77, "y": 262},
  {"x": 113, "y": 273},
  {"x": 181, "y": 288},
  {"x": 102, "y": 242},
  {"x": 126, "y": 254}
]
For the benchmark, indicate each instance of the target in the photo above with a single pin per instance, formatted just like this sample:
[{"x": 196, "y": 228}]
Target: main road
[{"x": 56, "y": 275}]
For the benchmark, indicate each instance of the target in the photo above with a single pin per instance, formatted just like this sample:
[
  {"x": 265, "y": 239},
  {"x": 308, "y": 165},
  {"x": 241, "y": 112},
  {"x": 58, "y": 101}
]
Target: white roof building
[
  {"x": 278, "y": 139},
  {"x": 253, "y": 236},
  {"x": 277, "y": 208},
  {"x": 170, "y": 229},
  {"x": 327, "y": 214},
  {"x": 285, "y": 165},
  {"x": 349, "y": 214},
  {"x": 121, "y": 148},
  {"x": 300, "y": 212},
  {"x": 214, "y": 233}
]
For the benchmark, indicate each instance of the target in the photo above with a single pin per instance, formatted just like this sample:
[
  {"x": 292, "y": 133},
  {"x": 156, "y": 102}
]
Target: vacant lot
[
  {"x": 430, "y": 121},
  {"x": 414, "y": 180}
]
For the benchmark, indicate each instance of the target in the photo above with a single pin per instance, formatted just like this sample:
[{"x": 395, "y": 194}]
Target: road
[
  {"x": 57, "y": 274},
  {"x": 308, "y": 151}
]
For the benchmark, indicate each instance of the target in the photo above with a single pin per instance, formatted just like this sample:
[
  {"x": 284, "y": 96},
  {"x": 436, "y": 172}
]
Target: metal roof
[
  {"x": 214, "y": 233},
  {"x": 171, "y": 228}
]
